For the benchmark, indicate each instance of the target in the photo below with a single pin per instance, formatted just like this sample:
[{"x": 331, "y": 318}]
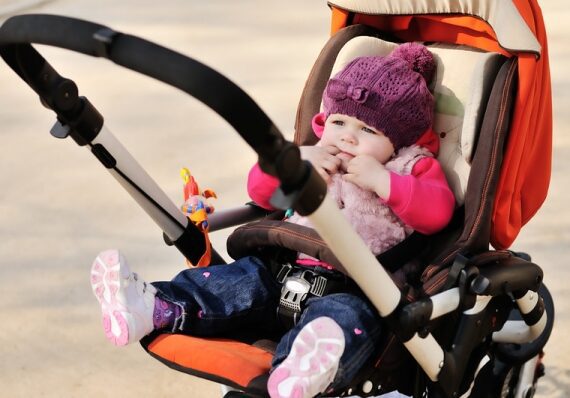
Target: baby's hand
[
  {"x": 369, "y": 174},
  {"x": 322, "y": 158}
]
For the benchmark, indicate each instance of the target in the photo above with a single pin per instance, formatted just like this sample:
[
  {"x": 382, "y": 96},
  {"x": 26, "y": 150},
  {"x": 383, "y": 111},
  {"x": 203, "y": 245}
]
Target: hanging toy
[{"x": 197, "y": 209}]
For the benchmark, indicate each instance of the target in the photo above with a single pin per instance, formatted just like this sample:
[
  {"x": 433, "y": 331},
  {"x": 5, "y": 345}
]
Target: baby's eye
[
  {"x": 338, "y": 122},
  {"x": 368, "y": 130}
]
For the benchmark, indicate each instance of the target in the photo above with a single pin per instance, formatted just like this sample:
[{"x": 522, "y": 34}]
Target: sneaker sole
[
  {"x": 312, "y": 363},
  {"x": 106, "y": 273}
]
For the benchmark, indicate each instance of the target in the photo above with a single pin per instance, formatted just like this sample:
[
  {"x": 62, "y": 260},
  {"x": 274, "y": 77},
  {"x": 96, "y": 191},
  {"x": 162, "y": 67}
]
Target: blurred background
[{"x": 59, "y": 207}]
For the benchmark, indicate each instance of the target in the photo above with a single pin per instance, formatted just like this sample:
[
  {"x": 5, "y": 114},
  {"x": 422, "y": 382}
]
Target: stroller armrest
[
  {"x": 507, "y": 275},
  {"x": 236, "y": 216}
]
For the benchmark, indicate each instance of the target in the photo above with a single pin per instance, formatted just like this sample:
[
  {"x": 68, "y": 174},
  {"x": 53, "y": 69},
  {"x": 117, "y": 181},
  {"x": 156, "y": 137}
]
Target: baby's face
[{"x": 353, "y": 137}]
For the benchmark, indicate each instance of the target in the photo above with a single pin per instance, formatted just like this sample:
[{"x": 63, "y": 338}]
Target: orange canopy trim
[{"x": 525, "y": 173}]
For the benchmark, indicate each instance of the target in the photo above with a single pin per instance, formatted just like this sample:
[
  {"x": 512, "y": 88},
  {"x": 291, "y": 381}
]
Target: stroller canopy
[{"x": 512, "y": 28}]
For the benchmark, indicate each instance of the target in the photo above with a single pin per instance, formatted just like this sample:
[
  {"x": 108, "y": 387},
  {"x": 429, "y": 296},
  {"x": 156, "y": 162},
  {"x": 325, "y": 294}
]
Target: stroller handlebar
[{"x": 220, "y": 94}]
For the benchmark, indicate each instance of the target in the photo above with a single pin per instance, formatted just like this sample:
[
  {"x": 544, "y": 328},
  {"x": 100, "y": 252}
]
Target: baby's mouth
[{"x": 345, "y": 156}]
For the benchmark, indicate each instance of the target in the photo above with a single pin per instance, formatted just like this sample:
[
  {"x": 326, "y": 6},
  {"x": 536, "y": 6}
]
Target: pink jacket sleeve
[
  {"x": 422, "y": 200},
  {"x": 260, "y": 187}
]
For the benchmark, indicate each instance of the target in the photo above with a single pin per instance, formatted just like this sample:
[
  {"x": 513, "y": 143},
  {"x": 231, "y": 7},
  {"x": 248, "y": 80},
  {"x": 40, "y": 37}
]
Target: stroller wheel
[
  {"x": 509, "y": 384},
  {"x": 495, "y": 379}
]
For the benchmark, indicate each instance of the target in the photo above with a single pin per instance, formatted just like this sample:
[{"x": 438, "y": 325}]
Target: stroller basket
[{"x": 482, "y": 293}]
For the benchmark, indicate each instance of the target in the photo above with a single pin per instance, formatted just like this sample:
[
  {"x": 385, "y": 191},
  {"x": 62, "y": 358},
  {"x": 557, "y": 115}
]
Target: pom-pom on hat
[{"x": 388, "y": 93}]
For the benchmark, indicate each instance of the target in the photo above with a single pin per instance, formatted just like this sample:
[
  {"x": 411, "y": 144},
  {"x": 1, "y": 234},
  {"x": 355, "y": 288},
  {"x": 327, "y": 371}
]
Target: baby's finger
[
  {"x": 333, "y": 150},
  {"x": 352, "y": 167},
  {"x": 331, "y": 164},
  {"x": 355, "y": 179}
]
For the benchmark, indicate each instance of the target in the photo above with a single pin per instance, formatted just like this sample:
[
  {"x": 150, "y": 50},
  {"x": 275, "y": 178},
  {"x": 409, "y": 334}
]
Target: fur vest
[{"x": 371, "y": 218}]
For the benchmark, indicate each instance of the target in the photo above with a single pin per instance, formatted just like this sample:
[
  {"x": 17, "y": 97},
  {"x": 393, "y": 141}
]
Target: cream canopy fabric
[{"x": 511, "y": 30}]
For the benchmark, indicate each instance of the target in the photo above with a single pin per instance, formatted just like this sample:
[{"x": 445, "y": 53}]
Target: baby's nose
[{"x": 349, "y": 138}]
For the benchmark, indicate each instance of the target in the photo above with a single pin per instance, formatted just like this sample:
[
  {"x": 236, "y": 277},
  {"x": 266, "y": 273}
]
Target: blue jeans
[{"x": 224, "y": 299}]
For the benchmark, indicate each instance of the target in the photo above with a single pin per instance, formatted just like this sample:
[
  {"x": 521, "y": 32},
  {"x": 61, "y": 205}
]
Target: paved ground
[{"x": 58, "y": 207}]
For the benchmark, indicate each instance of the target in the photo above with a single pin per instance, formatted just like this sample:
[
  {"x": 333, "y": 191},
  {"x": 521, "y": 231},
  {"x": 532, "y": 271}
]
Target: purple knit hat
[{"x": 388, "y": 93}]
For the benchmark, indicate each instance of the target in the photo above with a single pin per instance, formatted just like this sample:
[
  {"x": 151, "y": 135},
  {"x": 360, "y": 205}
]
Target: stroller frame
[{"x": 478, "y": 287}]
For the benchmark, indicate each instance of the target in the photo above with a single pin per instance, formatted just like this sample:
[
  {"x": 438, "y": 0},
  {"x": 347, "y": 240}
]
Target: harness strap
[{"x": 408, "y": 249}]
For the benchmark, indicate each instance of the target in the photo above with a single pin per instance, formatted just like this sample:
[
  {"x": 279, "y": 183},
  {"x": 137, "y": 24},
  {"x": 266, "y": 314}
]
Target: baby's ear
[{"x": 318, "y": 124}]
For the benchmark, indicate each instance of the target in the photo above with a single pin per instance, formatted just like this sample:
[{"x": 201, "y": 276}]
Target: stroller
[{"x": 467, "y": 320}]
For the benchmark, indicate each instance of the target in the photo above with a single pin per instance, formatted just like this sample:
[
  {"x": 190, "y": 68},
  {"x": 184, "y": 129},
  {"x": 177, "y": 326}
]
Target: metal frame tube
[
  {"x": 519, "y": 332},
  {"x": 356, "y": 257},
  {"x": 371, "y": 277},
  {"x": 428, "y": 353},
  {"x": 445, "y": 302},
  {"x": 144, "y": 190},
  {"x": 527, "y": 302}
]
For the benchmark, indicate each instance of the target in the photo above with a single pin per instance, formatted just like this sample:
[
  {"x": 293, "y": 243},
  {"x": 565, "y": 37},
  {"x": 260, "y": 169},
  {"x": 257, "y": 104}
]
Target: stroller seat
[{"x": 462, "y": 89}]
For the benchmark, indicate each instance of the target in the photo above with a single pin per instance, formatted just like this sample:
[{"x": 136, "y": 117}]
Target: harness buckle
[
  {"x": 297, "y": 286},
  {"x": 283, "y": 272},
  {"x": 319, "y": 285},
  {"x": 294, "y": 292}
]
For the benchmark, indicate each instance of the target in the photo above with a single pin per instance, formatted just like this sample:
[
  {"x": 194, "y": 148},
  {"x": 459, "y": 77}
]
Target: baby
[{"x": 376, "y": 152}]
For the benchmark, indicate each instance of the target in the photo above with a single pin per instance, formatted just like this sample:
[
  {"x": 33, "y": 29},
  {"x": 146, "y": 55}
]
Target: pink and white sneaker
[
  {"x": 312, "y": 363},
  {"x": 127, "y": 302}
]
